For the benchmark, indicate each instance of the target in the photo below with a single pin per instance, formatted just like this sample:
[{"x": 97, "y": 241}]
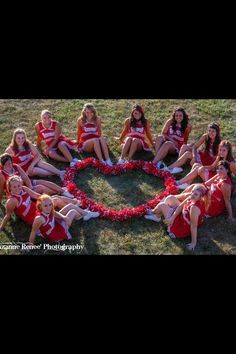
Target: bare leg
[
  {"x": 159, "y": 141},
  {"x": 50, "y": 185},
  {"x": 104, "y": 148},
  {"x": 39, "y": 172},
  {"x": 126, "y": 148},
  {"x": 184, "y": 148},
  {"x": 135, "y": 146},
  {"x": 167, "y": 147},
  {"x": 94, "y": 145},
  {"x": 163, "y": 209},
  {"x": 189, "y": 178},
  {"x": 71, "y": 216},
  {"x": 181, "y": 160},
  {"x": 69, "y": 207},
  {"x": 62, "y": 146},
  {"x": 46, "y": 166},
  {"x": 55, "y": 156}
]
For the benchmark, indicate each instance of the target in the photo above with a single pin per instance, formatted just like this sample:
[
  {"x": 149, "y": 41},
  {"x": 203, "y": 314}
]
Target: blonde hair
[
  {"x": 13, "y": 179},
  {"x": 41, "y": 199},
  {"x": 45, "y": 112},
  {"x": 200, "y": 188}
]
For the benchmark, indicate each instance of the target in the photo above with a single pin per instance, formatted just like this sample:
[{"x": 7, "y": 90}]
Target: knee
[
  {"x": 201, "y": 170},
  {"x": 168, "y": 144},
  {"x": 39, "y": 189},
  {"x": 129, "y": 140},
  {"x": 51, "y": 154},
  {"x": 102, "y": 139},
  {"x": 61, "y": 145},
  {"x": 135, "y": 141},
  {"x": 188, "y": 154}
]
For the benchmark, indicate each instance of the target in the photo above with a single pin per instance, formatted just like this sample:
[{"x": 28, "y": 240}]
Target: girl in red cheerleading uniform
[
  {"x": 19, "y": 202},
  {"x": 183, "y": 218},
  {"x": 209, "y": 141},
  {"x": 173, "y": 137},
  {"x": 133, "y": 136},
  {"x": 49, "y": 132},
  {"x": 54, "y": 226},
  {"x": 220, "y": 188},
  {"x": 207, "y": 172},
  {"x": 9, "y": 169},
  {"x": 25, "y": 154},
  {"x": 89, "y": 134}
]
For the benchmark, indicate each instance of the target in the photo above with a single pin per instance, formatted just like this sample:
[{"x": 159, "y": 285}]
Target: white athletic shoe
[
  {"x": 90, "y": 215},
  {"x": 67, "y": 194},
  {"x": 166, "y": 169},
  {"x": 62, "y": 174},
  {"x": 176, "y": 170},
  {"x": 183, "y": 186},
  {"x": 109, "y": 163},
  {"x": 74, "y": 162},
  {"x": 121, "y": 162},
  {"x": 158, "y": 164},
  {"x": 152, "y": 217}
]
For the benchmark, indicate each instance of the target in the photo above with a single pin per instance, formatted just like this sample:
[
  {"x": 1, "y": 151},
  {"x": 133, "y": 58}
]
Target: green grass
[{"x": 137, "y": 236}]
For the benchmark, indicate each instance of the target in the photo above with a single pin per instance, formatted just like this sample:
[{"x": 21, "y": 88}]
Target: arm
[
  {"x": 11, "y": 205},
  {"x": 36, "y": 226},
  {"x": 165, "y": 131},
  {"x": 125, "y": 130},
  {"x": 194, "y": 216},
  {"x": 36, "y": 155},
  {"x": 10, "y": 151},
  {"x": 197, "y": 145},
  {"x": 79, "y": 130},
  {"x": 39, "y": 140},
  {"x": 226, "y": 190},
  {"x": 57, "y": 135},
  {"x": 99, "y": 124},
  {"x": 149, "y": 134},
  {"x": 32, "y": 194},
  {"x": 213, "y": 166},
  {"x": 2, "y": 186},
  {"x": 24, "y": 177},
  {"x": 233, "y": 167},
  {"x": 188, "y": 131}
]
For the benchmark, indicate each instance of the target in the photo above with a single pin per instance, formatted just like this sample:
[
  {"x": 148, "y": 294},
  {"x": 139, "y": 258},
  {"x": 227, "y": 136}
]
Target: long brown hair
[
  {"x": 91, "y": 107},
  {"x": 217, "y": 139},
  {"x": 14, "y": 145},
  {"x": 184, "y": 122},
  {"x": 133, "y": 121},
  {"x": 227, "y": 144}
]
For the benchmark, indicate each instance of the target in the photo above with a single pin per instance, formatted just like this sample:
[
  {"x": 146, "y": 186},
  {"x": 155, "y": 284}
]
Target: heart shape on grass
[{"x": 126, "y": 213}]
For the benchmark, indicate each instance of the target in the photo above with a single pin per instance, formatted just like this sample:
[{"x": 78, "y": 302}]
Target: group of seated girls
[{"x": 183, "y": 213}]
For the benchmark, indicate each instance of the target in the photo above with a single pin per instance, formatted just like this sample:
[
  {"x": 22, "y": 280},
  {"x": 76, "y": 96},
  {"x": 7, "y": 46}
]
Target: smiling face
[
  {"x": 212, "y": 133},
  {"x": 196, "y": 195},
  {"x": 16, "y": 187},
  {"x": 8, "y": 166},
  {"x": 46, "y": 120},
  {"x": 179, "y": 117},
  {"x": 137, "y": 115},
  {"x": 20, "y": 139},
  {"x": 223, "y": 152},
  {"x": 89, "y": 114},
  {"x": 47, "y": 205},
  {"x": 222, "y": 171}
]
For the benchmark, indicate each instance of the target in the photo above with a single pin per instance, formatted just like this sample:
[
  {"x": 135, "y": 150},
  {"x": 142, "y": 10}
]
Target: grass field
[{"x": 139, "y": 236}]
